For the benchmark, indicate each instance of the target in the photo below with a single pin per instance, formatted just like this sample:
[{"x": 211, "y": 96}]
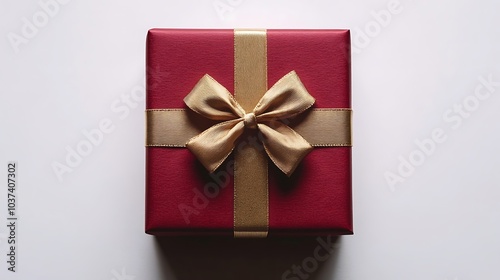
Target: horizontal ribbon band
[{"x": 319, "y": 127}]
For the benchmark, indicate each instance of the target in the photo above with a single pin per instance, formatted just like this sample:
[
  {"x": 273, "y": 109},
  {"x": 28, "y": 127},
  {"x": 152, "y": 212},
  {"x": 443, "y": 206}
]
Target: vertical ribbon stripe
[{"x": 250, "y": 168}]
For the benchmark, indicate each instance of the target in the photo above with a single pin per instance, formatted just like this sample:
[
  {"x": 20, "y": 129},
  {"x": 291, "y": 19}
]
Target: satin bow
[{"x": 285, "y": 99}]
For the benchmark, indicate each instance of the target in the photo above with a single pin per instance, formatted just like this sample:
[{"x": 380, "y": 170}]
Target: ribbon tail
[
  {"x": 285, "y": 147},
  {"x": 214, "y": 145}
]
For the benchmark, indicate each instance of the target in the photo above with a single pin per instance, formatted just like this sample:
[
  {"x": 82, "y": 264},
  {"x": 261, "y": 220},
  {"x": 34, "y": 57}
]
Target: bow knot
[
  {"x": 285, "y": 147},
  {"x": 250, "y": 121}
]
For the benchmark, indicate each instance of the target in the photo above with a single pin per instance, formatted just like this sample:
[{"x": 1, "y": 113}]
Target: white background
[{"x": 440, "y": 221}]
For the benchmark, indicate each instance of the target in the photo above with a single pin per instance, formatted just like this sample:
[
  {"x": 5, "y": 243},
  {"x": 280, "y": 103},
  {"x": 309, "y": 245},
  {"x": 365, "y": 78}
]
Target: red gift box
[{"x": 180, "y": 195}]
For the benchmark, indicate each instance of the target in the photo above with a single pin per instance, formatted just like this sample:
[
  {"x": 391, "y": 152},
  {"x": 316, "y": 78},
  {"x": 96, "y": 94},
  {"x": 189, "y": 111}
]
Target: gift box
[{"x": 248, "y": 132}]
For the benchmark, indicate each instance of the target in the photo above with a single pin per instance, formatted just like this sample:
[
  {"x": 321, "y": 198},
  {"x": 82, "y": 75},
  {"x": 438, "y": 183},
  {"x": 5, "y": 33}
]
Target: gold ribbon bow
[{"x": 285, "y": 147}]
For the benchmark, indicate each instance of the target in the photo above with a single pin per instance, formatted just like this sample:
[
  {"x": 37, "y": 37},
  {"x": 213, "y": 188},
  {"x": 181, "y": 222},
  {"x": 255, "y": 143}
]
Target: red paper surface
[{"x": 315, "y": 200}]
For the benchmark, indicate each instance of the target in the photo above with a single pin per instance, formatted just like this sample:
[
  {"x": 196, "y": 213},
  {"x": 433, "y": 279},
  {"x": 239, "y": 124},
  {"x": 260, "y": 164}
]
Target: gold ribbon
[
  {"x": 217, "y": 120},
  {"x": 328, "y": 127}
]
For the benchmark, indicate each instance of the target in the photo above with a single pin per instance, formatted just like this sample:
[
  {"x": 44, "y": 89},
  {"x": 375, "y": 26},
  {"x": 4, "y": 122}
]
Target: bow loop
[
  {"x": 213, "y": 101},
  {"x": 286, "y": 98},
  {"x": 214, "y": 145},
  {"x": 285, "y": 147}
]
